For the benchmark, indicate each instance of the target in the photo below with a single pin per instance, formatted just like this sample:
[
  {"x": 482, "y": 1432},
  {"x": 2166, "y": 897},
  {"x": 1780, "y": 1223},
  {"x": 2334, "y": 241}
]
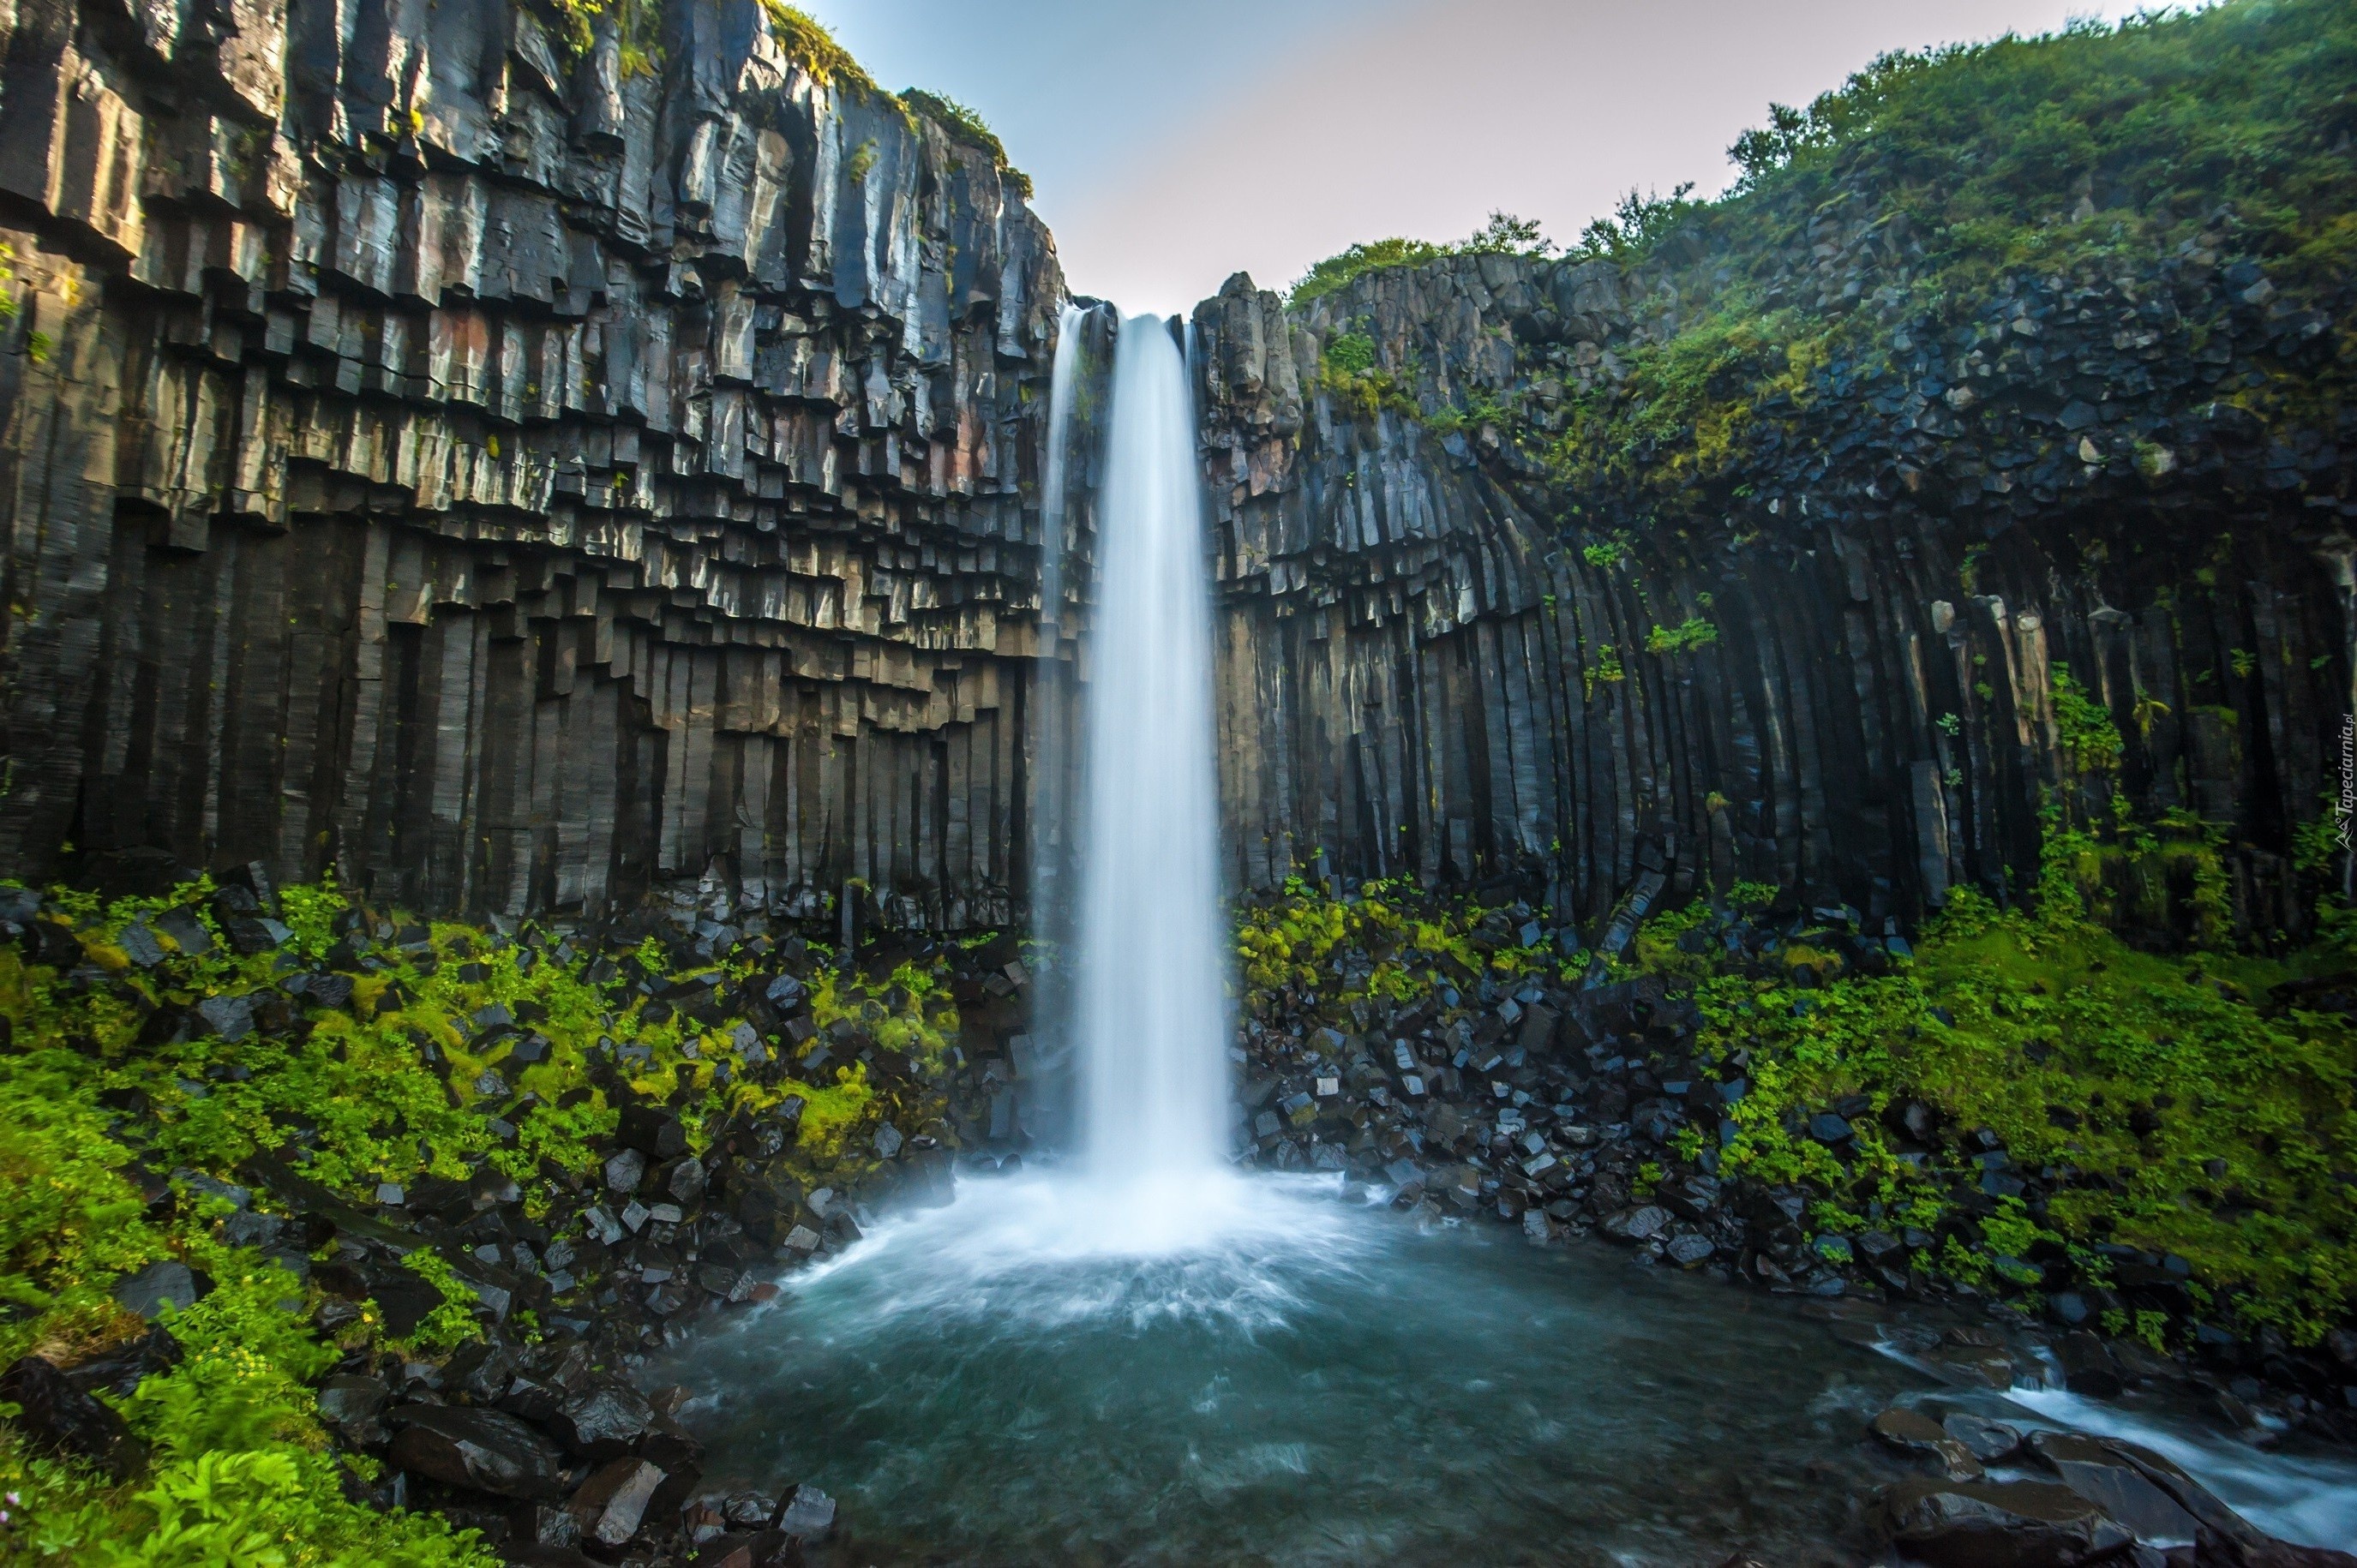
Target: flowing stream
[{"x": 1141, "y": 1357}]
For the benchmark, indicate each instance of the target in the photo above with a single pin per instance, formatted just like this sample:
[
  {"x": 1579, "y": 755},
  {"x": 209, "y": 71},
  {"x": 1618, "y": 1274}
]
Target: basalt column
[
  {"x": 510, "y": 467},
  {"x": 1443, "y": 658}
]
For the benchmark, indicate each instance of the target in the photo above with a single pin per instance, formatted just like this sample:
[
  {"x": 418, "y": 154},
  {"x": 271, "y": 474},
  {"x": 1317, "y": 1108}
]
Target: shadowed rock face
[
  {"x": 1426, "y": 672},
  {"x": 519, "y": 479},
  {"x": 509, "y": 477}
]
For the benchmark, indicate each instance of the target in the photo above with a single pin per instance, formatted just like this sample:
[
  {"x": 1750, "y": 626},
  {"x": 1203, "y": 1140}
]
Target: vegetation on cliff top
[
  {"x": 964, "y": 125},
  {"x": 1904, "y": 200},
  {"x": 1504, "y": 234},
  {"x": 2081, "y": 152}
]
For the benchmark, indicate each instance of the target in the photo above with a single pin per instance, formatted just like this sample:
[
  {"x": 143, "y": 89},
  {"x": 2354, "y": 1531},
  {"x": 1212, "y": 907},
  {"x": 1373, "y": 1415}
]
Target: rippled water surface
[
  {"x": 1037, "y": 1375},
  {"x": 1258, "y": 1372}
]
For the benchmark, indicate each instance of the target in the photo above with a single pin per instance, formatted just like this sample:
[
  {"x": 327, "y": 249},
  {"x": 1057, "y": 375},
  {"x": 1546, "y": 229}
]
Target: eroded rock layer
[
  {"x": 1446, "y": 656},
  {"x": 510, "y": 467}
]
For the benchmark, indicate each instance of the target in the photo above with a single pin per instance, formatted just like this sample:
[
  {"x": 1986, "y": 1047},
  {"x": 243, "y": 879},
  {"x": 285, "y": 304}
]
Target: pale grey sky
[{"x": 1174, "y": 144}]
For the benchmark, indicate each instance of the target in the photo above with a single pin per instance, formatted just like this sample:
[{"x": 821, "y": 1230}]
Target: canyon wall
[
  {"x": 512, "y": 465},
  {"x": 519, "y": 465},
  {"x": 1450, "y": 654}
]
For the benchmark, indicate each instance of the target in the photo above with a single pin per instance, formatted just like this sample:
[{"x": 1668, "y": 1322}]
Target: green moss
[
  {"x": 965, "y": 125},
  {"x": 2083, "y": 728},
  {"x": 832, "y": 1112},
  {"x": 807, "y": 43},
  {"x": 1684, "y": 638},
  {"x": 639, "y": 31},
  {"x": 2158, "y": 1106},
  {"x": 239, "y": 1471},
  {"x": 1503, "y": 235}
]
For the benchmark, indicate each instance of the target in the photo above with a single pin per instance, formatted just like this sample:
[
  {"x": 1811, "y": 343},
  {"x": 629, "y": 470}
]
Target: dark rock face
[
  {"x": 1993, "y": 1524},
  {"x": 482, "y": 1450},
  {"x": 506, "y": 477},
  {"x": 1443, "y": 659},
  {"x": 63, "y": 1419}
]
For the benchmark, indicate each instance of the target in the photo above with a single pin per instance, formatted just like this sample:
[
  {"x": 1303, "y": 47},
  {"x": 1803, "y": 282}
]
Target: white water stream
[{"x": 1152, "y": 1022}]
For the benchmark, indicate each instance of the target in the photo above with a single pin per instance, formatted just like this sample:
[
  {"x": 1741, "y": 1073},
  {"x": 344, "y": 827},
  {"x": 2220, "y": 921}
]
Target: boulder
[
  {"x": 352, "y": 1406},
  {"x": 612, "y": 1502},
  {"x": 1993, "y": 1524},
  {"x": 59, "y": 1418},
  {"x": 119, "y": 1370},
  {"x": 808, "y": 1516},
  {"x": 603, "y": 1419},
  {"x": 745, "y": 1549},
  {"x": 1911, "y": 1433},
  {"x": 1640, "y": 1224},
  {"x": 1989, "y": 1440},
  {"x": 2101, "y": 1475},
  {"x": 483, "y": 1450},
  {"x": 2087, "y": 1366}
]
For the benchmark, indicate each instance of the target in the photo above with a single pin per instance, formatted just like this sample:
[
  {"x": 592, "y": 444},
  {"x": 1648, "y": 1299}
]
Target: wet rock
[
  {"x": 1993, "y": 1524},
  {"x": 625, "y": 1171},
  {"x": 2218, "y": 1523},
  {"x": 745, "y": 1549},
  {"x": 671, "y": 1445},
  {"x": 352, "y": 1406},
  {"x": 230, "y": 1017},
  {"x": 1827, "y": 1128},
  {"x": 808, "y": 1516},
  {"x": 1691, "y": 1197},
  {"x": 2087, "y": 1366},
  {"x": 1917, "y": 1436},
  {"x": 684, "y": 1182},
  {"x": 1689, "y": 1250},
  {"x": 59, "y": 1418},
  {"x": 1638, "y": 1224},
  {"x": 119, "y": 1371},
  {"x": 2211, "y": 1548},
  {"x": 1989, "y": 1441},
  {"x": 543, "y": 1524},
  {"x": 533, "y": 1555},
  {"x": 602, "y": 1421},
  {"x": 484, "y": 1450},
  {"x": 2105, "y": 1478},
  {"x": 610, "y": 1504},
  {"x": 652, "y": 1132}
]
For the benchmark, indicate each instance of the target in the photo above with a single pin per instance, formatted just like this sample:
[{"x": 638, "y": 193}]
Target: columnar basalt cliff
[
  {"x": 1456, "y": 647},
  {"x": 509, "y": 462}
]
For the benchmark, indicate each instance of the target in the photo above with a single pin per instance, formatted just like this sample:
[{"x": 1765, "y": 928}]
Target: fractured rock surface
[{"x": 507, "y": 475}]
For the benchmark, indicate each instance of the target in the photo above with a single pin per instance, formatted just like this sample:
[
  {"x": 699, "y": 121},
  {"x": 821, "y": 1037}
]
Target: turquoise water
[{"x": 1024, "y": 1378}]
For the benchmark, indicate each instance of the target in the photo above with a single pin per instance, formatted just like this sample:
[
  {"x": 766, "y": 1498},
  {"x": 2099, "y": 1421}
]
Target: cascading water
[
  {"x": 1147, "y": 1358},
  {"x": 1047, "y": 1100},
  {"x": 1154, "y": 1086}
]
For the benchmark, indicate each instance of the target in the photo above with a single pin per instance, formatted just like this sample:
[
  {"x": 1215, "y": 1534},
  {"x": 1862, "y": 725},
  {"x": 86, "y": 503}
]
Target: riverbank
[
  {"x": 348, "y": 1231},
  {"x": 374, "y": 1236},
  {"x": 2146, "y": 1158}
]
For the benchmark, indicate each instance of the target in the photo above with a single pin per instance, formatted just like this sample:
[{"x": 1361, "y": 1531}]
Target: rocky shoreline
[
  {"x": 1557, "y": 1106},
  {"x": 1551, "y": 1104}
]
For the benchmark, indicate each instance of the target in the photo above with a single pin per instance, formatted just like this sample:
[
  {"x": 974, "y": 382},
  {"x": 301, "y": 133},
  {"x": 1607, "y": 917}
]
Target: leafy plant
[{"x": 1683, "y": 638}]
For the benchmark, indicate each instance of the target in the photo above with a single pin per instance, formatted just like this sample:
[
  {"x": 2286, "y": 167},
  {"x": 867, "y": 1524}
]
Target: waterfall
[
  {"x": 1046, "y": 1093},
  {"x": 1152, "y": 1024}
]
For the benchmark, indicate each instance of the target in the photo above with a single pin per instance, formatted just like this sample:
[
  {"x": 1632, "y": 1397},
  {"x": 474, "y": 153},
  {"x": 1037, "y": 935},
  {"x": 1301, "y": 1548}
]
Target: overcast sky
[{"x": 1175, "y": 143}]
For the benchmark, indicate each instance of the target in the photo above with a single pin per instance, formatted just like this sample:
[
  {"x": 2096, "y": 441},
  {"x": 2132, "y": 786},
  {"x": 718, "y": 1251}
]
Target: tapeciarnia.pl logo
[{"x": 2345, "y": 809}]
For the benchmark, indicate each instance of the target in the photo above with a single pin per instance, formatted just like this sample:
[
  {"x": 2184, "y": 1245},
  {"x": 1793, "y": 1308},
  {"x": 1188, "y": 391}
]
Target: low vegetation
[
  {"x": 2038, "y": 1106},
  {"x": 152, "y": 1051},
  {"x": 1503, "y": 235}
]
